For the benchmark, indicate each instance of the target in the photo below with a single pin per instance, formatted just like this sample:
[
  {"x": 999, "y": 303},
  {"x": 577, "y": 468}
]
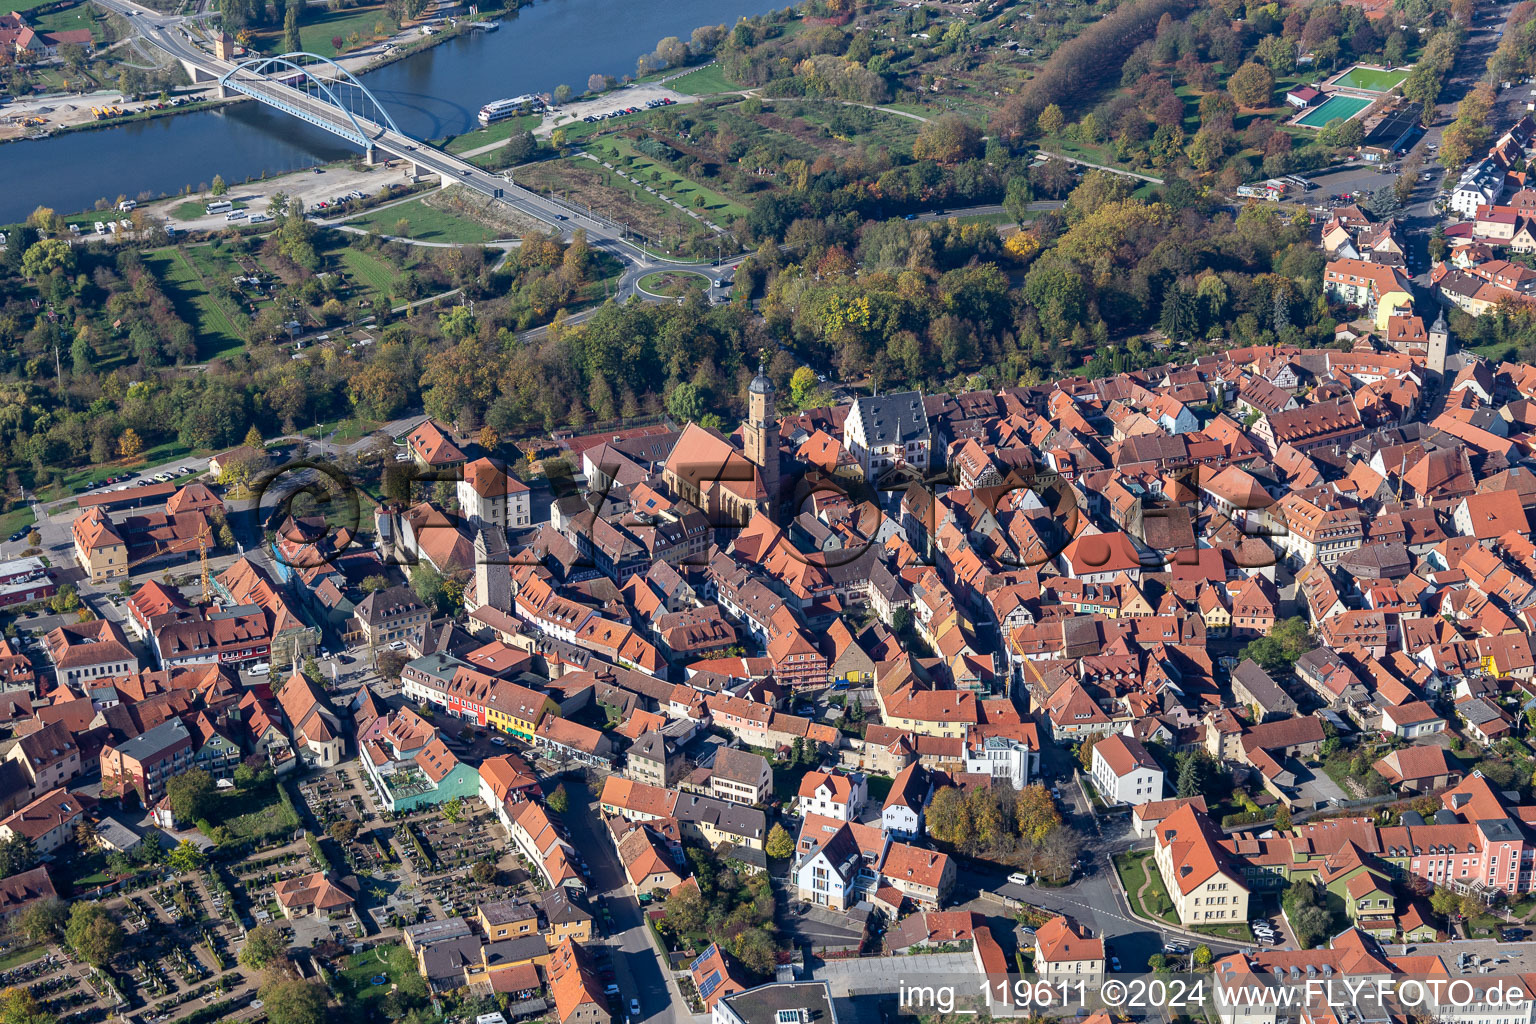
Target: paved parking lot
[{"x": 806, "y": 924}]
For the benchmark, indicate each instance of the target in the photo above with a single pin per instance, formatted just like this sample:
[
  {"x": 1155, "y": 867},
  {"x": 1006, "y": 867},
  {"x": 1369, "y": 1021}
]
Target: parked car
[{"x": 1019, "y": 878}]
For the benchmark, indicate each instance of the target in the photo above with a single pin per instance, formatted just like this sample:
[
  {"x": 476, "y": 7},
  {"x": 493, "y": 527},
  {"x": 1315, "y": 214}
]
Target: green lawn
[
  {"x": 7, "y": 6},
  {"x": 316, "y": 33},
  {"x": 1134, "y": 869},
  {"x": 248, "y": 814},
  {"x": 392, "y": 962},
  {"x": 621, "y": 153},
  {"x": 427, "y": 224},
  {"x": 368, "y": 269},
  {"x": 15, "y": 519},
  {"x": 216, "y": 332},
  {"x": 21, "y": 956},
  {"x": 703, "y": 82},
  {"x": 673, "y": 284},
  {"x": 1371, "y": 79},
  {"x": 879, "y": 787},
  {"x": 78, "y": 16},
  {"x": 494, "y": 133}
]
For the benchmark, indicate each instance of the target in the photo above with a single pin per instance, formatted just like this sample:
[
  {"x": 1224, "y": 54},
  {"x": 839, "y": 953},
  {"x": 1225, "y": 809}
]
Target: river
[{"x": 431, "y": 94}]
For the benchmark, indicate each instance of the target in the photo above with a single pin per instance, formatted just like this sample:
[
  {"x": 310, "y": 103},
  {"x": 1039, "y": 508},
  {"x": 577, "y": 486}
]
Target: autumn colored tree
[
  {"x": 128, "y": 444},
  {"x": 1051, "y": 120},
  {"x": 947, "y": 139},
  {"x": 1252, "y": 85}
]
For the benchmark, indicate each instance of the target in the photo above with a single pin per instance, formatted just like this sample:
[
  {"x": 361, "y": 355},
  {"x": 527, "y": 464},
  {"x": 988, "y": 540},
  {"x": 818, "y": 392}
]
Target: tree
[
  {"x": 375, "y": 583},
  {"x": 85, "y": 834},
  {"x": 1444, "y": 902},
  {"x": 948, "y": 818},
  {"x": 1306, "y": 908},
  {"x": 686, "y": 912},
  {"x": 1021, "y": 245},
  {"x": 17, "y": 854},
  {"x": 218, "y": 187},
  {"x": 1282, "y": 818},
  {"x": 427, "y": 584},
  {"x": 1341, "y": 133},
  {"x": 19, "y": 1006},
  {"x": 1036, "y": 814},
  {"x": 266, "y": 944},
  {"x": 1059, "y": 852},
  {"x": 755, "y": 949},
  {"x": 192, "y": 794},
  {"x": 43, "y": 258},
  {"x": 1050, "y": 120},
  {"x": 1252, "y": 85},
  {"x": 596, "y": 82},
  {"x": 186, "y": 857},
  {"x": 43, "y": 920},
  {"x": 559, "y": 801},
  {"x": 1279, "y": 54},
  {"x": 93, "y": 933},
  {"x": 292, "y": 42},
  {"x": 779, "y": 845},
  {"x": 292, "y": 1001},
  {"x": 563, "y": 94},
  {"x": 343, "y": 831},
  {"x": 947, "y": 139},
  {"x": 128, "y": 444},
  {"x": 65, "y": 599},
  {"x": 483, "y": 872},
  {"x": 253, "y": 438}
]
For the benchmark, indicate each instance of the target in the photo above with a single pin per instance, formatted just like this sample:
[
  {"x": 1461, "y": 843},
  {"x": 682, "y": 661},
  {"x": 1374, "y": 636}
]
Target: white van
[{"x": 236, "y": 215}]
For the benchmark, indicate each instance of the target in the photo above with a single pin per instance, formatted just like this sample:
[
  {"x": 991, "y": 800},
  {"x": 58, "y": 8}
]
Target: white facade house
[
  {"x": 1481, "y": 185},
  {"x": 1124, "y": 772},
  {"x": 833, "y": 795},
  {"x": 1003, "y": 758},
  {"x": 489, "y": 495},
  {"x": 887, "y": 431}
]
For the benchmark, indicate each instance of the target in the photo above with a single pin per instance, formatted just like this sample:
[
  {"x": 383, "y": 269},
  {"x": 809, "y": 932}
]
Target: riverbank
[
  {"x": 72, "y": 112},
  {"x": 433, "y": 96}
]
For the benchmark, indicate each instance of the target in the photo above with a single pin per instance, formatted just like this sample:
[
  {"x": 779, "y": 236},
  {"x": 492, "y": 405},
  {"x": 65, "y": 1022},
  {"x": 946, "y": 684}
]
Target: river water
[{"x": 430, "y": 95}]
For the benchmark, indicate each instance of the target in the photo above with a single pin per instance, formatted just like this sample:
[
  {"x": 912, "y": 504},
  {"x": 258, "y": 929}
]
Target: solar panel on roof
[{"x": 710, "y": 984}]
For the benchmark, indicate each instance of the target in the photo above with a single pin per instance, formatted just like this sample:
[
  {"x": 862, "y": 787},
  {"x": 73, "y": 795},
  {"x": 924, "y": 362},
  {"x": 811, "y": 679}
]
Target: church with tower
[{"x": 725, "y": 482}]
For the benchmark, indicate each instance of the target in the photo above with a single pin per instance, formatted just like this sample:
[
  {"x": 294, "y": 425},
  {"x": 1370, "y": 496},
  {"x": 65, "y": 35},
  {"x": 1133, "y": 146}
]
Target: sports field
[
  {"x": 1336, "y": 106},
  {"x": 1371, "y": 79}
]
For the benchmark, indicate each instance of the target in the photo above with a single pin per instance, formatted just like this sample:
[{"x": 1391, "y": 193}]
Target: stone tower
[
  {"x": 1439, "y": 346},
  {"x": 493, "y": 572},
  {"x": 760, "y": 435}
]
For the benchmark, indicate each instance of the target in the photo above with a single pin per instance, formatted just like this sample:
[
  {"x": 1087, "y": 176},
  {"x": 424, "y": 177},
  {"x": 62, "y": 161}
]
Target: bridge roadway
[{"x": 167, "y": 32}]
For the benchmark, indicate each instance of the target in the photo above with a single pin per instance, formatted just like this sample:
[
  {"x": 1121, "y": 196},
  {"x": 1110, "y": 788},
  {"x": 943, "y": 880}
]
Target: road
[{"x": 639, "y": 969}]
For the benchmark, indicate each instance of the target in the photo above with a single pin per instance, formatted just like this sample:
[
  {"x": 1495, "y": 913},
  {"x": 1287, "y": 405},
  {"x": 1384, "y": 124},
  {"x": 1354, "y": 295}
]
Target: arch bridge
[{"x": 314, "y": 89}]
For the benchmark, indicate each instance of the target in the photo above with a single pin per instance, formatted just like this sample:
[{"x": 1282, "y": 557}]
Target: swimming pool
[{"x": 1336, "y": 106}]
